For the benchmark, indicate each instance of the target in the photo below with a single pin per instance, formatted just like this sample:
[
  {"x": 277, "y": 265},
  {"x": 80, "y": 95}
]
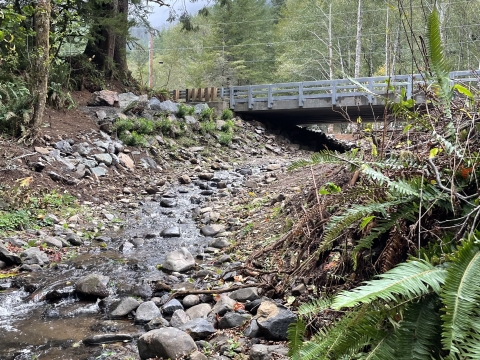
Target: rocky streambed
[{"x": 113, "y": 298}]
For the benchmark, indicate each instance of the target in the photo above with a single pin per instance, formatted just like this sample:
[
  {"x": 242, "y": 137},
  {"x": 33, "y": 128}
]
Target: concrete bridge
[{"x": 325, "y": 101}]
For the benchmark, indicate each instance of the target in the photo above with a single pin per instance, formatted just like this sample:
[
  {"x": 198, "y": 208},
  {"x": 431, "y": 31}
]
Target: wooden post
[
  {"x": 214, "y": 93},
  {"x": 201, "y": 94},
  {"x": 176, "y": 95},
  {"x": 207, "y": 94},
  {"x": 193, "y": 95}
]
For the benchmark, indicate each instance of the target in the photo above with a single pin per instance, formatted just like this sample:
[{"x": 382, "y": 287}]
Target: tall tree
[
  {"x": 358, "y": 47},
  {"x": 42, "y": 61}
]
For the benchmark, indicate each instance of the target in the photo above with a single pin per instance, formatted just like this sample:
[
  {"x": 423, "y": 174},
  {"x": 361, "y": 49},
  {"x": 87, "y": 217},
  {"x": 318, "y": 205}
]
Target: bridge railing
[{"x": 323, "y": 89}]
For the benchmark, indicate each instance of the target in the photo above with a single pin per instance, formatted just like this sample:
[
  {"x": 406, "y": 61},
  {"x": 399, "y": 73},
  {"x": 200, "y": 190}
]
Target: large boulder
[
  {"x": 273, "y": 320},
  {"x": 247, "y": 294},
  {"x": 170, "y": 307},
  {"x": 179, "y": 260},
  {"x": 126, "y": 99},
  {"x": 169, "y": 106},
  {"x": 233, "y": 320},
  {"x": 104, "y": 97},
  {"x": 223, "y": 305},
  {"x": 8, "y": 257},
  {"x": 34, "y": 255},
  {"x": 93, "y": 285},
  {"x": 268, "y": 352},
  {"x": 166, "y": 343}
]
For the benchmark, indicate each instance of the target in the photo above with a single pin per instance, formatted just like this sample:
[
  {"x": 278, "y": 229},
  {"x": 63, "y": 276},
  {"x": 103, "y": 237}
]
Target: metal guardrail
[{"x": 324, "y": 89}]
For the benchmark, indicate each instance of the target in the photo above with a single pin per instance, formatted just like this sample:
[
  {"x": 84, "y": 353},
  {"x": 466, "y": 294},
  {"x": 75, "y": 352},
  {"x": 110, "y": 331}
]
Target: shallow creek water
[{"x": 32, "y": 327}]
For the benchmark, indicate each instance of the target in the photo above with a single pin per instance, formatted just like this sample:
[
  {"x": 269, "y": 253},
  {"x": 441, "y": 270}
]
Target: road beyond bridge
[{"x": 325, "y": 101}]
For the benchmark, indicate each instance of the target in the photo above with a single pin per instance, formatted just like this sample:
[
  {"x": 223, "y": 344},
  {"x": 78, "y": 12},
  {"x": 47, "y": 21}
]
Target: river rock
[
  {"x": 206, "y": 176},
  {"x": 167, "y": 343},
  {"x": 126, "y": 161},
  {"x": 273, "y": 167},
  {"x": 197, "y": 355},
  {"x": 107, "y": 338},
  {"x": 179, "y": 260},
  {"x": 190, "y": 300},
  {"x": 168, "y": 203},
  {"x": 252, "y": 331},
  {"x": 64, "y": 147},
  {"x": 244, "y": 295},
  {"x": 125, "y": 306},
  {"x": 146, "y": 311},
  {"x": 268, "y": 352},
  {"x": 156, "y": 323},
  {"x": 199, "y": 311},
  {"x": 51, "y": 241},
  {"x": 34, "y": 255},
  {"x": 99, "y": 171},
  {"x": 198, "y": 329},
  {"x": 223, "y": 305},
  {"x": 74, "y": 239},
  {"x": 212, "y": 230},
  {"x": 93, "y": 285},
  {"x": 173, "y": 231},
  {"x": 179, "y": 318},
  {"x": 219, "y": 243},
  {"x": 103, "y": 159},
  {"x": 184, "y": 179},
  {"x": 273, "y": 319},
  {"x": 232, "y": 320},
  {"x": 170, "y": 307}
]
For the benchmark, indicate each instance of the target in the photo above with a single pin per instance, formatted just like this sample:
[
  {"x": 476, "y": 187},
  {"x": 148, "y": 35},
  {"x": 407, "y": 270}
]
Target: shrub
[
  {"x": 132, "y": 139},
  {"x": 228, "y": 126},
  {"x": 165, "y": 126},
  {"x": 144, "y": 126},
  {"x": 225, "y": 138},
  {"x": 208, "y": 127},
  {"x": 227, "y": 114},
  {"x": 123, "y": 125},
  {"x": 207, "y": 114},
  {"x": 184, "y": 110}
]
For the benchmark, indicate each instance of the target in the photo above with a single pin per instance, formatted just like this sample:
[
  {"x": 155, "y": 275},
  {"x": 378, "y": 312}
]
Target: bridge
[{"x": 323, "y": 101}]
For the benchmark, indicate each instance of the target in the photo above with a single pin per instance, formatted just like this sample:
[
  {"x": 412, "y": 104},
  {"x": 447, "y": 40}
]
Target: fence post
[
  {"x": 213, "y": 92},
  {"x": 201, "y": 94},
  {"x": 410, "y": 87},
  {"x": 176, "y": 94}
]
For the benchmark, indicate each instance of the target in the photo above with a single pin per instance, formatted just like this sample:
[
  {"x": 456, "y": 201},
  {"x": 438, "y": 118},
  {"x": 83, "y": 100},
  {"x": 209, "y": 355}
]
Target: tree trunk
[
  {"x": 358, "y": 48},
  {"x": 120, "y": 56},
  {"x": 330, "y": 46},
  {"x": 41, "y": 63}
]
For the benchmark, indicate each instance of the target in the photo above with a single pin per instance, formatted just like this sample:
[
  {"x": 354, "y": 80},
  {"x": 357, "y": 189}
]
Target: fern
[
  {"x": 460, "y": 330},
  {"x": 404, "y": 211},
  {"x": 313, "y": 307},
  {"x": 438, "y": 63},
  {"x": 401, "y": 187},
  {"x": 339, "y": 223},
  {"x": 295, "y": 335},
  {"x": 418, "y": 337},
  {"x": 411, "y": 279}
]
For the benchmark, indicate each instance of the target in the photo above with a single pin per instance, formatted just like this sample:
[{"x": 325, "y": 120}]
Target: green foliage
[
  {"x": 184, "y": 110},
  {"x": 15, "y": 107},
  {"x": 225, "y": 138},
  {"x": 229, "y": 126},
  {"x": 15, "y": 220},
  {"x": 132, "y": 139},
  {"x": 207, "y": 114},
  {"x": 208, "y": 127},
  {"x": 227, "y": 114}
]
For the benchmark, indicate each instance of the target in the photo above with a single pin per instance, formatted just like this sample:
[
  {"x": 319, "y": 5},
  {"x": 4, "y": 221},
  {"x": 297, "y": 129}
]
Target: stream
[{"x": 41, "y": 317}]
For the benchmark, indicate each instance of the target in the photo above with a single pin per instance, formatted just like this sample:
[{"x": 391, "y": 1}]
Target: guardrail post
[
  {"x": 370, "y": 87},
  {"x": 213, "y": 93},
  {"x": 410, "y": 87},
  {"x": 250, "y": 98},
  {"x": 300, "y": 95},
  {"x": 232, "y": 99},
  {"x": 176, "y": 94},
  {"x": 334, "y": 92},
  {"x": 270, "y": 97}
]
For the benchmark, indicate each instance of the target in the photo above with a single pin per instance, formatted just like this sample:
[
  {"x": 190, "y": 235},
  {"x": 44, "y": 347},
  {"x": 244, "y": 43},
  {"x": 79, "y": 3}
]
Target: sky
[{"x": 159, "y": 16}]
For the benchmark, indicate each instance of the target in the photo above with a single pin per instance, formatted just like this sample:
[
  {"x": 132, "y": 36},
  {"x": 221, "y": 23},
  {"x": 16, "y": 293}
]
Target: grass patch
[
  {"x": 184, "y": 110},
  {"x": 225, "y": 138},
  {"x": 208, "y": 127},
  {"x": 227, "y": 114},
  {"x": 207, "y": 114}
]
